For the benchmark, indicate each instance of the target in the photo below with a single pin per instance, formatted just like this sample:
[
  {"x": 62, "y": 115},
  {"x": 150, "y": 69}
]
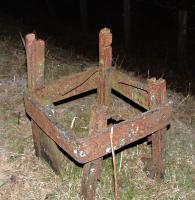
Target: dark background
[{"x": 153, "y": 32}]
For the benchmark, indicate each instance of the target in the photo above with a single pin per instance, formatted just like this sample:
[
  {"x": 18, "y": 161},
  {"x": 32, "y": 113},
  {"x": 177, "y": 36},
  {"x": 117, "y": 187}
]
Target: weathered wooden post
[
  {"x": 45, "y": 147},
  {"x": 157, "y": 98}
]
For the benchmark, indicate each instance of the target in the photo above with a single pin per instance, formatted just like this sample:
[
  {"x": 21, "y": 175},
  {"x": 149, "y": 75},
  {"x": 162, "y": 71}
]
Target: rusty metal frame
[
  {"x": 84, "y": 150},
  {"x": 151, "y": 96}
]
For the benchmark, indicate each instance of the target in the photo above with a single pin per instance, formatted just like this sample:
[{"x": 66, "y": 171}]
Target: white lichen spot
[
  {"x": 75, "y": 152},
  {"x": 108, "y": 149},
  {"x": 92, "y": 170},
  {"x": 82, "y": 154},
  {"x": 122, "y": 143}
]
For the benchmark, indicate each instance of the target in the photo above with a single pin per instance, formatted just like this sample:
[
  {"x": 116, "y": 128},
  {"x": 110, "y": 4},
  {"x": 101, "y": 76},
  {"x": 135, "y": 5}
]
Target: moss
[
  {"x": 50, "y": 196},
  {"x": 130, "y": 194},
  {"x": 46, "y": 178},
  {"x": 18, "y": 145},
  {"x": 78, "y": 112}
]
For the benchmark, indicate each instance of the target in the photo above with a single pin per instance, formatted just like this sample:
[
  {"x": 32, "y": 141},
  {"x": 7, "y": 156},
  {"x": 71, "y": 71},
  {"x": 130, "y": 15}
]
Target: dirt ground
[{"x": 23, "y": 176}]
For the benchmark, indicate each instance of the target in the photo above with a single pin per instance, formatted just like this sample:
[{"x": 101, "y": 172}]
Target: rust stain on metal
[
  {"x": 157, "y": 97},
  {"x": 105, "y": 49},
  {"x": 92, "y": 170},
  {"x": 69, "y": 86},
  {"x": 39, "y": 99}
]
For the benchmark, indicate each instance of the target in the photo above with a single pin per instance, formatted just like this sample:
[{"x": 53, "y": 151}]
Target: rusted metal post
[
  {"x": 30, "y": 38},
  {"x": 45, "y": 147},
  {"x": 35, "y": 70},
  {"x": 157, "y": 98},
  {"x": 105, "y": 62},
  {"x": 35, "y": 52},
  {"x": 92, "y": 170}
]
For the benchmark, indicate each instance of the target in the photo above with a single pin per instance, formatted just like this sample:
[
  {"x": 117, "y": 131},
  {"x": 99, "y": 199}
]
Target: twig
[
  {"x": 114, "y": 165},
  {"x": 73, "y": 121},
  {"x": 120, "y": 164},
  {"x": 23, "y": 41},
  {"x": 19, "y": 118},
  {"x": 137, "y": 149},
  {"x": 115, "y": 61},
  {"x": 148, "y": 73},
  {"x": 183, "y": 100},
  {"x": 122, "y": 61}
]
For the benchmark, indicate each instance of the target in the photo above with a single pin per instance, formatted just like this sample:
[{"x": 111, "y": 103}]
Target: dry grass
[{"x": 24, "y": 176}]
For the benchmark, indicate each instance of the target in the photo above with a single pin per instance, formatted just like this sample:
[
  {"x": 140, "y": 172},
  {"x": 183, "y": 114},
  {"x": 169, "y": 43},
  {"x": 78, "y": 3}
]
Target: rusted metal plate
[
  {"x": 47, "y": 149},
  {"x": 133, "y": 90},
  {"x": 70, "y": 86},
  {"x": 36, "y": 138},
  {"x": 125, "y": 133},
  {"x": 48, "y": 123}
]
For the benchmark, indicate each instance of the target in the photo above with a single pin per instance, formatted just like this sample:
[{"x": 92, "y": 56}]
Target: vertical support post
[
  {"x": 105, "y": 62},
  {"x": 35, "y": 52},
  {"x": 30, "y": 38},
  {"x": 45, "y": 147},
  {"x": 92, "y": 170},
  {"x": 35, "y": 70},
  {"x": 157, "y": 97}
]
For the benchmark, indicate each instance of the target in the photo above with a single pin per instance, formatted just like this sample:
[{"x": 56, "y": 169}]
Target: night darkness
[{"x": 152, "y": 37}]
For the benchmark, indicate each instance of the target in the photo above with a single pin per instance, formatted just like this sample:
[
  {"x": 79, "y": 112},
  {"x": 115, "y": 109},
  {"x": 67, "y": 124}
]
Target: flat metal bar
[
  {"x": 122, "y": 78},
  {"x": 125, "y": 133},
  {"x": 133, "y": 90},
  {"x": 84, "y": 150},
  {"x": 47, "y": 122},
  {"x": 70, "y": 86}
]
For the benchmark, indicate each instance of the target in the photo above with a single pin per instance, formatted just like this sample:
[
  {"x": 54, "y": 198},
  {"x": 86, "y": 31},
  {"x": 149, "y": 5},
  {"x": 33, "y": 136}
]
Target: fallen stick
[{"x": 114, "y": 166}]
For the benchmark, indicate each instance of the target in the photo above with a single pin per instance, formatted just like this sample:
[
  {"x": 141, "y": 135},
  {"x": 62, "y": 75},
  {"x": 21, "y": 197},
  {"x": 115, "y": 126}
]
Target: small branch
[
  {"x": 22, "y": 38},
  {"x": 183, "y": 100},
  {"x": 19, "y": 118},
  {"x": 120, "y": 164},
  {"x": 73, "y": 121},
  {"x": 114, "y": 165},
  {"x": 76, "y": 84}
]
